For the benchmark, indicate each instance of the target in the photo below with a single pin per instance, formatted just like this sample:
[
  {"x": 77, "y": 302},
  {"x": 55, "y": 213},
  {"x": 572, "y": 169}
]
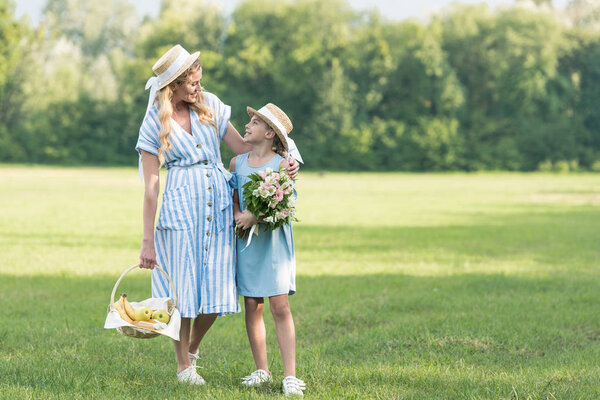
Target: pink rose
[
  {"x": 266, "y": 186},
  {"x": 276, "y": 176},
  {"x": 262, "y": 174}
]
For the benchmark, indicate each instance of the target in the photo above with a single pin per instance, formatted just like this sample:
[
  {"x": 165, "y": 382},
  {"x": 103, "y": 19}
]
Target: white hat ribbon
[{"x": 292, "y": 148}]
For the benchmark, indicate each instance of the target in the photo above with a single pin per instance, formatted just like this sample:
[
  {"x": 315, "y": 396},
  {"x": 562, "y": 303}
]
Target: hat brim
[
  {"x": 188, "y": 63},
  {"x": 251, "y": 111}
]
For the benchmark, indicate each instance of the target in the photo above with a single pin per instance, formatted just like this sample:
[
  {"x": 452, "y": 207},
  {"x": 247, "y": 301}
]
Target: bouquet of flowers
[{"x": 269, "y": 196}]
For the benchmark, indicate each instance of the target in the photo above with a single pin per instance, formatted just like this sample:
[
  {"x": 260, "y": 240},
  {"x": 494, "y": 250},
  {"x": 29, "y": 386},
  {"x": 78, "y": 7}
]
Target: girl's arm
[
  {"x": 234, "y": 141},
  {"x": 236, "y": 200},
  {"x": 243, "y": 219},
  {"x": 150, "y": 166}
]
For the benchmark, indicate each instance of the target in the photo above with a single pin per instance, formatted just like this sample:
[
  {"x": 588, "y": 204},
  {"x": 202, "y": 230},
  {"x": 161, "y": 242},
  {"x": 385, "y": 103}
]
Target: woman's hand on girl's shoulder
[{"x": 292, "y": 166}]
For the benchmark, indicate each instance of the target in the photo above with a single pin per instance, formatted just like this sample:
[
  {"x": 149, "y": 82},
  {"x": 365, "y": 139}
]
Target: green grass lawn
[{"x": 410, "y": 286}]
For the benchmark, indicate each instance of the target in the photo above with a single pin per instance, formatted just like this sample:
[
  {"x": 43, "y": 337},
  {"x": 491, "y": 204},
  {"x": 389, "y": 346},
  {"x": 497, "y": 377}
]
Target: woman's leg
[
  {"x": 202, "y": 324},
  {"x": 182, "y": 345},
  {"x": 255, "y": 327},
  {"x": 284, "y": 328}
]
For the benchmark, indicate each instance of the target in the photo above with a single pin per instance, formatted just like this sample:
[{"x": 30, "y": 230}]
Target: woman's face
[{"x": 188, "y": 91}]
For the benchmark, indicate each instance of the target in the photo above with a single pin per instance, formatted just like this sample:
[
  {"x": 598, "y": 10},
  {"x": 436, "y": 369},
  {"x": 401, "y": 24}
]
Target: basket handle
[{"x": 112, "y": 295}]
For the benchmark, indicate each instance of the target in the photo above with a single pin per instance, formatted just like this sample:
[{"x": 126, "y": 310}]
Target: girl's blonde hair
[{"x": 206, "y": 114}]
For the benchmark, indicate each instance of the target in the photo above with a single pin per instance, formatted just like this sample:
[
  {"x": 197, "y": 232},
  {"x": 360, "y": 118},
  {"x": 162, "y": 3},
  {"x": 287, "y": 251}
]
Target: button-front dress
[{"x": 194, "y": 236}]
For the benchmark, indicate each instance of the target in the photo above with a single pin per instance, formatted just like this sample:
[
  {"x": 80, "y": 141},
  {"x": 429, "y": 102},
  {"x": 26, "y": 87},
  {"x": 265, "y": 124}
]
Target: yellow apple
[
  {"x": 142, "y": 314},
  {"x": 162, "y": 316}
]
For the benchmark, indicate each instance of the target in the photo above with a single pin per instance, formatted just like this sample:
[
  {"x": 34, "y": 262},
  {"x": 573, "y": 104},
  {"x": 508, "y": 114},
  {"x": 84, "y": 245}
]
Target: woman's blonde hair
[{"x": 206, "y": 114}]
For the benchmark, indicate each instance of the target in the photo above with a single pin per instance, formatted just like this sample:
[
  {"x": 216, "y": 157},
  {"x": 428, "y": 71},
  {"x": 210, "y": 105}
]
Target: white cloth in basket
[{"x": 113, "y": 319}]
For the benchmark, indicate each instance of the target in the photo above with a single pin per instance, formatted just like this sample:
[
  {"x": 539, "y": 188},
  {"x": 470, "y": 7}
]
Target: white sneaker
[
  {"x": 193, "y": 358},
  {"x": 189, "y": 375},
  {"x": 257, "y": 378},
  {"x": 293, "y": 386}
]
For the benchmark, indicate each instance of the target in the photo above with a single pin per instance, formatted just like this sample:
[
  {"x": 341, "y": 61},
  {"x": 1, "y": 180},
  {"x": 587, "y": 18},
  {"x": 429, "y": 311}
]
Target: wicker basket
[{"x": 135, "y": 331}]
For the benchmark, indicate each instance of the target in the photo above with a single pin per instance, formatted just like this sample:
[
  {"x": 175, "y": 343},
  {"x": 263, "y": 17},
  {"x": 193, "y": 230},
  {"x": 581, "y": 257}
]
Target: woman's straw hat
[
  {"x": 168, "y": 68},
  {"x": 172, "y": 64},
  {"x": 281, "y": 124}
]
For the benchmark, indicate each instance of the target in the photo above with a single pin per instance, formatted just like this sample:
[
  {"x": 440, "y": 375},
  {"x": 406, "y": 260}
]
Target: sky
[{"x": 397, "y": 10}]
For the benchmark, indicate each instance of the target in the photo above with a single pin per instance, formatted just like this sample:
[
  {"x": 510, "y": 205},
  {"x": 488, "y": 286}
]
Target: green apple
[
  {"x": 142, "y": 314},
  {"x": 162, "y": 316}
]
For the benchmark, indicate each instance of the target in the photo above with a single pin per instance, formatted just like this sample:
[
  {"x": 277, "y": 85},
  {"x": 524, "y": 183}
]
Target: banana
[
  {"x": 128, "y": 307},
  {"x": 119, "y": 307},
  {"x": 146, "y": 325}
]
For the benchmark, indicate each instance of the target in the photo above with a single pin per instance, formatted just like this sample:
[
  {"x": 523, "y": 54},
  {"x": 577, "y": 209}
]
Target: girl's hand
[
  {"x": 245, "y": 220},
  {"x": 147, "y": 256},
  {"x": 293, "y": 168}
]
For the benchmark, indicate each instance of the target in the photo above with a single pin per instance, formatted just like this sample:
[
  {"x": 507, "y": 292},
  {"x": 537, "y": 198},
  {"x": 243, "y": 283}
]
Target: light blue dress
[
  {"x": 268, "y": 266},
  {"x": 194, "y": 236}
]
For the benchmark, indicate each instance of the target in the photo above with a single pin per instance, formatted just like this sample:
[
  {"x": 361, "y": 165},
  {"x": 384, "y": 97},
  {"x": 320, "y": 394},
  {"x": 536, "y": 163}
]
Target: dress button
[
  {"x": 209, "y": 203},
  {"x": 208, "y": 174},
  {"x": 210, "y": 189},
  {"x": 209, "y": 218},
  {"x": 199, "y": 145},
  {"x": 206, "y": 248},
  {"x": 207, "y": 233},
  {"x": 204, "y": 162}
]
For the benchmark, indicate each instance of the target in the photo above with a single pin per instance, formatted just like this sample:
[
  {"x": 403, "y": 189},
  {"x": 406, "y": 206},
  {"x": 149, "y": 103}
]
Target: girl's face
[
  {"x": 256, "y": 130},
  {"x": 188, "y": 91}
]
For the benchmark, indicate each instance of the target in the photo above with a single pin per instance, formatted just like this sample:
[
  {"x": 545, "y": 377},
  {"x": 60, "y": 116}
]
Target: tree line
[{"x": 472, "y": 88}]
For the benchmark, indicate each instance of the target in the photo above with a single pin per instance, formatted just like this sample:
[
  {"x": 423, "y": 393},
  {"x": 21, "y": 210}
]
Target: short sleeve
[
  {"x": 222, "y": 112},
  {"x": 148, "y": 136},
  {"x": 233, "y": 182}
]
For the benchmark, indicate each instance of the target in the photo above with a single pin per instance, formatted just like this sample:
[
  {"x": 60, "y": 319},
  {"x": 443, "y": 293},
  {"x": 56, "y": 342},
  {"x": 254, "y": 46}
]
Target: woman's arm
[
  {"x": 234, "y": 141},
  {"x": 150, "y": 166}
]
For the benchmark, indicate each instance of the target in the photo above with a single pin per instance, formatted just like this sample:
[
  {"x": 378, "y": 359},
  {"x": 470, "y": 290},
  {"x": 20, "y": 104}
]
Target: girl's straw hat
[
  {"x": 172, "y": 64},
  {"x": 281, "y": 124}
]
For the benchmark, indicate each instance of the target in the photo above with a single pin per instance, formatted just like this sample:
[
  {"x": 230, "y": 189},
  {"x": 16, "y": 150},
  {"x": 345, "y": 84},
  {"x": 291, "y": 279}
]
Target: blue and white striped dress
[{"x": 194, "y": 236}]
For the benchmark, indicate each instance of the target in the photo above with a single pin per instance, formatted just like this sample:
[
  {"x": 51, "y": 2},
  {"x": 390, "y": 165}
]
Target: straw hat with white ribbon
[
  {"x": 168, "y": 68},
  {"x": 281, "y": 124}
]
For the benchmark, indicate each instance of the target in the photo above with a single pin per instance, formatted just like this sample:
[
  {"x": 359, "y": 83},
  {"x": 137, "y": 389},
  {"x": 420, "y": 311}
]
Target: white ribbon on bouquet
[{"x": 252, "y": 230}]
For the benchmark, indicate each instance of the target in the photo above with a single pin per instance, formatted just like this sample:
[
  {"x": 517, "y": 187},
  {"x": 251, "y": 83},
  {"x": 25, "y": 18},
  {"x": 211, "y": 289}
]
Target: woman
[{"x": 194, "y": 236}]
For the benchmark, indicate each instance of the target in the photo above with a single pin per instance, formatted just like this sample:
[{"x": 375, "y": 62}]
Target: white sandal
[
  {"x": 189, "y": 375},
  {"x": 257, "y": 378},
  {"x": 293, "y": 386}
]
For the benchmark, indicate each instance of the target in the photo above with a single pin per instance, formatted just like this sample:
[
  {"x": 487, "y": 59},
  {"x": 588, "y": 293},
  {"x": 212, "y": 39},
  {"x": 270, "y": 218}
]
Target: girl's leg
[
  {"x": 181, "y": 346},
  {"x": 286, "y": 335},
  {"x": 202, "y": 324},
  {"x": 255, "y": 327}
]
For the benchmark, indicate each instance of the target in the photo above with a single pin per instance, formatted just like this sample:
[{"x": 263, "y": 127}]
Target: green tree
[{"x": 16, "y": 37}]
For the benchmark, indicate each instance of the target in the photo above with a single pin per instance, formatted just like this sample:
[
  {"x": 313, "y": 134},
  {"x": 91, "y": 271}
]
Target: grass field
[{"x": 410, "y": 286}]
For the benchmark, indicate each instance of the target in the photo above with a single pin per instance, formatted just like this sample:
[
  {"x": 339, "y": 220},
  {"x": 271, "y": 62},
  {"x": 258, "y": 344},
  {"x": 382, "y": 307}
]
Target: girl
[{"x": 267, "y": 267}]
